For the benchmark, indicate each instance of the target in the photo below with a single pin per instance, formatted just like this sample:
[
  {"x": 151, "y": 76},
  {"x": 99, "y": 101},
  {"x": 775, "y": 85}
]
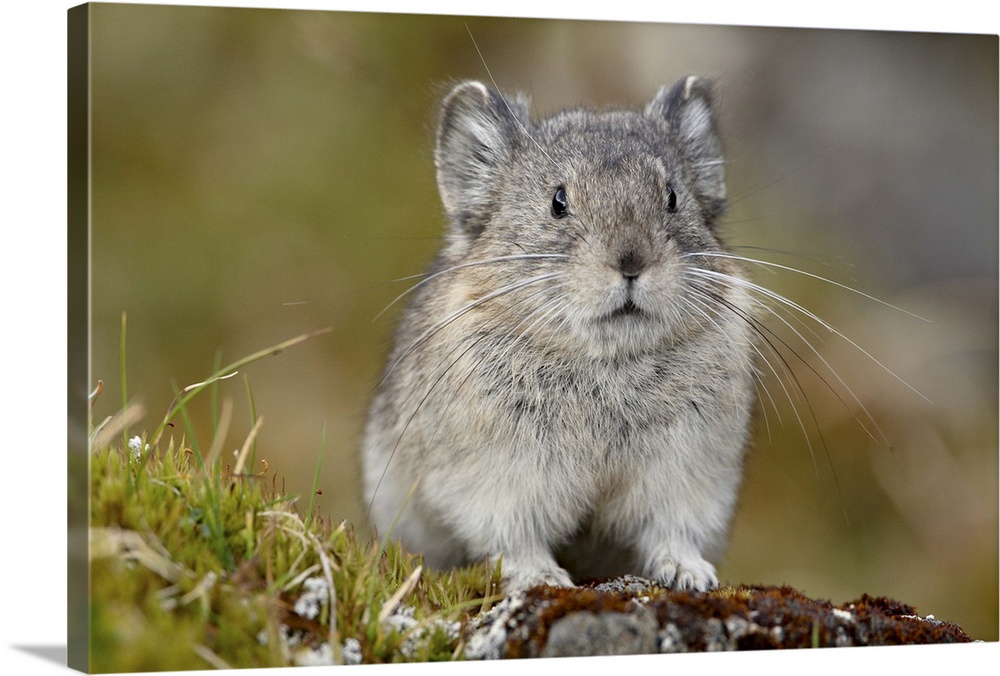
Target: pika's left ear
[{"x": 687, "y": 109}]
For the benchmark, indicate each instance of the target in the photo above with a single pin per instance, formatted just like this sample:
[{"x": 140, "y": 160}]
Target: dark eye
[
  {"x": 671, "y": 200},
  {"x": 560, "y": 203}
]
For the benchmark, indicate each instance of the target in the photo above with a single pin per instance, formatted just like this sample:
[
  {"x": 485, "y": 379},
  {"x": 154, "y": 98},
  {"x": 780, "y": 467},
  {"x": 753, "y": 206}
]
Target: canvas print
[{"x": 411, "y": 338}]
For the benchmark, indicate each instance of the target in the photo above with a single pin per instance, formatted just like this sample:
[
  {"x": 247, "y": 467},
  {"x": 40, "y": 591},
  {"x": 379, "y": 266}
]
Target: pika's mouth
[{"x": 627, "y": 309}]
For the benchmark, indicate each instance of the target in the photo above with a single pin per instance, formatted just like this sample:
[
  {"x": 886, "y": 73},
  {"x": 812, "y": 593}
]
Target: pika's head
[{"x": 596, "y": 222}]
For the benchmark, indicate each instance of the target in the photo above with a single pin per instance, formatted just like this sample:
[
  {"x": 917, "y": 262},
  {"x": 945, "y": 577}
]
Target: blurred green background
[{"x": 259, "y": 174}]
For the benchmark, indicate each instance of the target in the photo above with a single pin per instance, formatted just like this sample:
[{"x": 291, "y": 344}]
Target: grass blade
[
  {"x": 227, "y": 371},
  {"x": 315, "y": 486}
]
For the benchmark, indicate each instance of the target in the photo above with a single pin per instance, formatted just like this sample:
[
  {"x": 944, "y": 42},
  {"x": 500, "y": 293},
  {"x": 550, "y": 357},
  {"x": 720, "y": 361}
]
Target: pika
[{"x": 571, "y": 386}]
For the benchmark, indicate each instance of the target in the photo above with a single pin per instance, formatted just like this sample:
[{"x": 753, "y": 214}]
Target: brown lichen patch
[
  {"x": 729, "y": 618},
  {"x": 889, "y": 622},
  {"x": 781, "y": 617}
]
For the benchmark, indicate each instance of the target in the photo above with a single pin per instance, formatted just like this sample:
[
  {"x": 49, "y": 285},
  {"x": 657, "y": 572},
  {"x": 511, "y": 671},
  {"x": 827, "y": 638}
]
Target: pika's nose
[{"x": 631, "y": 264}]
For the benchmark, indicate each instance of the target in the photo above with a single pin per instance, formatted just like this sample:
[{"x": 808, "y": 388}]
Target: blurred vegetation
[{"x": 259, "y": 174}]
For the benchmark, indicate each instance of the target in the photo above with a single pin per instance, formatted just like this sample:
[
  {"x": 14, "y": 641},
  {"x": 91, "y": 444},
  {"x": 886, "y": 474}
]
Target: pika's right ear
[
  {"x": 475, "y": 132},
  {"x": 688, "y": 111}
]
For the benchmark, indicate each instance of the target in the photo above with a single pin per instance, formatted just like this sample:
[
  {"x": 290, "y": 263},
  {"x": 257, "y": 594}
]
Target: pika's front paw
[
  {"x": 688, "y": 574},
  {"x": 517, "y": 578}
]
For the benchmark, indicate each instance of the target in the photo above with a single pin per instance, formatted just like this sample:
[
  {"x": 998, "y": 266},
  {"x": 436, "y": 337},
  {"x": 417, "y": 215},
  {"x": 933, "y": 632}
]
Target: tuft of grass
[{"x": 197, "y": 563}]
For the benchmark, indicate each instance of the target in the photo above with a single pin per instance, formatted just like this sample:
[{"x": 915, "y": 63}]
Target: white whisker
[
  {"x": 463, "y": 310},
  {"x": 781, "y": 381},
  {"x": 502, "y": 98},
  {"x": 717, "y": 254},
  {"x": 832, "y": 371},
  {"x": 461, "y": 266},
  {"x": 443, "y": 372},
  {"x": 494, "y": 364},
  {"x": 764, "y": 291}
]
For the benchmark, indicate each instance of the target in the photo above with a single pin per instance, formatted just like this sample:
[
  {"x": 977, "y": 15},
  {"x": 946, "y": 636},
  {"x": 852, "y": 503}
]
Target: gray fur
[{"x": 576, "y": 386}]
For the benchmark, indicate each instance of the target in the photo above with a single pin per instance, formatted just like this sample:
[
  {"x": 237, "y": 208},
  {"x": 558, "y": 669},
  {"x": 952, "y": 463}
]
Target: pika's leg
[
  {"x": 523, "y": 570},
  {"x": 519, "y": 528},
  {"x": 521, "y": 544},
  {"x": 678, "y": 564},
  {"x": 675, "y": 520},
  {"x": 672, "y": 543}
]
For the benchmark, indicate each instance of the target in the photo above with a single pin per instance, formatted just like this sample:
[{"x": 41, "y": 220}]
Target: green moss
[{"x": 195, "y": 567}]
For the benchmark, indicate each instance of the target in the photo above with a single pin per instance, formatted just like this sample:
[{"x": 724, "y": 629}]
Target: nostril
[{"x": 630, "y": 264}]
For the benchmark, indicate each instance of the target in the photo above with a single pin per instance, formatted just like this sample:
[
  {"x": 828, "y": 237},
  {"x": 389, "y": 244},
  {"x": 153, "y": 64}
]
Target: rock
[{"x": 589, "y": 633}]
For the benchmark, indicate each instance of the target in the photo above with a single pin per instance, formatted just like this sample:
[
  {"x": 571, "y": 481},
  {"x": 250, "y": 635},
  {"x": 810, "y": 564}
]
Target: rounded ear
[
  {"x": 476, "y": 129},
  {"x": 687, "y": 109}
]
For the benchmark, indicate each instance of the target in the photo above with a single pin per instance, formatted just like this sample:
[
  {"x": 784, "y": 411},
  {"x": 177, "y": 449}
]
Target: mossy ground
[{"x": 193, "y": 568}]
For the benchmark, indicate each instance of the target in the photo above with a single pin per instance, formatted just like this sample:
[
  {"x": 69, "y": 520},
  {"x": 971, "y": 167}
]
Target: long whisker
[
  {"x": 504, "y": 99},
  {"x": 832, "y": 371},
  {"x": 413, "y": 414},
  {"x": 794, "y": 254},
  {"x": 463, "y": 310},
  {"x": 494, "y": 365},
  {"x": 703, "y": 300},
  {"x": 700, "y": 303},
  {"x": 755, "y": 261},
  {"x": 764, "y": 291},
  {"x": 767, "y": 183},
  {"x": 460, "y": 266},
  {"x": 443, "y": 372},
  {"x": 437, "y": 327},
  {"x": 759, "y": 329}
]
